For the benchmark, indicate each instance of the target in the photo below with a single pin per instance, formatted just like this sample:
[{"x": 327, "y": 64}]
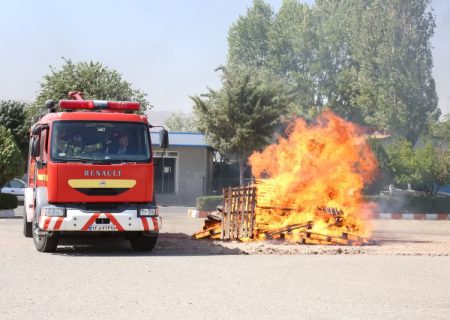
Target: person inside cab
[
  {"x": 123, "y": 144},
  {"x": 112, "y": 143},
  {"x": 61, "y": 142},
  {"x": 76, "y": 146}
]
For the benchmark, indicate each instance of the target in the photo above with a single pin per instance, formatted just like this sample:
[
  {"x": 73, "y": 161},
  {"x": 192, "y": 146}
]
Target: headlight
[
  {"x": 52, "y": 212},
  {"x": 148, "y": 212}
]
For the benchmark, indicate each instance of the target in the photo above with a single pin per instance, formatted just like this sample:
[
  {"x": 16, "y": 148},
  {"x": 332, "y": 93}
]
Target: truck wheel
[
  {"x": 44, "y": 243},
  {"x": 27, "y": 226},
  {"x": 143, "y": 242}
]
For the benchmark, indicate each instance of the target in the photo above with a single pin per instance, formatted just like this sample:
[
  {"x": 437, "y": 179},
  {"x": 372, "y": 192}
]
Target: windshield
[{"x": 100, "y": 141}]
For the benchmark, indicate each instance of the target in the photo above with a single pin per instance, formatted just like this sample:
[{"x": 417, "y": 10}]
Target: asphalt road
[{"x": 105, "y": 279}]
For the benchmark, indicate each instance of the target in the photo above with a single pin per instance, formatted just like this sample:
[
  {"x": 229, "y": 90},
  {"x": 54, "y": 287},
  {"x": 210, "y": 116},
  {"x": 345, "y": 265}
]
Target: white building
[{"x": 185, "y": 171}]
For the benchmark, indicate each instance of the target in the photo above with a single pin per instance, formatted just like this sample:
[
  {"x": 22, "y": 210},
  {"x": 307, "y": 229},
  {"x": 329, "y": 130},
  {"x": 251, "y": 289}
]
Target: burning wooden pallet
[{"x": 236, "y": 220}]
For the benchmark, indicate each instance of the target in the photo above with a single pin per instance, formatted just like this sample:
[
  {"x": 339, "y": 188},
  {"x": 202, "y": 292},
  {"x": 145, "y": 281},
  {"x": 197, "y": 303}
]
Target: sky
[{"x": 169, "y": 49}]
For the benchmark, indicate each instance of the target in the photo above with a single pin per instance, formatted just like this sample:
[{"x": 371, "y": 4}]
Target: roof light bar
[
  {"x": 123, "y": 105},
  {"x": 99, "y": 105},
  {"x": 76, "y": 104}
]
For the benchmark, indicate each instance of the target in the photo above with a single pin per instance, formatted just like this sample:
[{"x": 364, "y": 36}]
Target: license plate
[{"x": 109, "y": 227}]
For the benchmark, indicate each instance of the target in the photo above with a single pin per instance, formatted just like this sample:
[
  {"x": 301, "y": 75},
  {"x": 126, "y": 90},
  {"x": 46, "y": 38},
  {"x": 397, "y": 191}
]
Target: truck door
[
  {"x": 41, "y": 163},
  {"x": 38, "y": 158}
]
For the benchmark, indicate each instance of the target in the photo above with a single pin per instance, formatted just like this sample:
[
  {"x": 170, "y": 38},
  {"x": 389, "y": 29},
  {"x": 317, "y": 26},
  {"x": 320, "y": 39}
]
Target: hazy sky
[{"x": 169, "y": 49}]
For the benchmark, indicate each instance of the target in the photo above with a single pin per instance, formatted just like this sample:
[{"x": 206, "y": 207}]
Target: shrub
[
  {"x": 208, "y": 203},
  {"x": 8, "y": 201},
  {"x": 11, "y": 163}
]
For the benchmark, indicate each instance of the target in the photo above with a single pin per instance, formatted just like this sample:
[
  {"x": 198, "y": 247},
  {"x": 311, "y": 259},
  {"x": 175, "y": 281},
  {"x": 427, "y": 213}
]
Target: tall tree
[
  {"x": 13, "y": 117},
  {"x": 370, "y": 61},
  {"x": 292, "y": 45},
  {"x": 393, "y": 50},
  {"x": 336, "y": 68},
  {"x": 248, "y": 37},
  {"x": 92, "y": 78},
  {"x": 241, "y": 117}
]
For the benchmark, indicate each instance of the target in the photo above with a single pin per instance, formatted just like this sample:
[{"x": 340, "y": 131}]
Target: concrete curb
[{"x": 411, "y": 216}]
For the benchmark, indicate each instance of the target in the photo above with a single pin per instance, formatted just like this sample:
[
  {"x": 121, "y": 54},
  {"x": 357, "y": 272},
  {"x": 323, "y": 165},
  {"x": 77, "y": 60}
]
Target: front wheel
[
  {"x": 143, "y": 242},
  {"x": 44, "y": 243}
]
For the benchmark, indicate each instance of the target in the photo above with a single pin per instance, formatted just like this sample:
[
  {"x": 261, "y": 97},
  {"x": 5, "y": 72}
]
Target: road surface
[{"x": 190, "y": 279}]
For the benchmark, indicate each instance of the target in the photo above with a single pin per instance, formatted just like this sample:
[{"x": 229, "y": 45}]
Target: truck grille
[{"x": 101, "y": 191}]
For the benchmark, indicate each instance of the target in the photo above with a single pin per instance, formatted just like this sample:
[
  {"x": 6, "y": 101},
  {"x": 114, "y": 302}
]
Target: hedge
[
  {"x": 408, "y": 203},
  {"x": 8, "y": 201},
  {"x": 398, "y": 203},
  {"x": 208, "y": 203}
]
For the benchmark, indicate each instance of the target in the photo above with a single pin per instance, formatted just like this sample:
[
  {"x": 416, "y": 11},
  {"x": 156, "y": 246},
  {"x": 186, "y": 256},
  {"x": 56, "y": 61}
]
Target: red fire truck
[{"x": 90, "y": 170}]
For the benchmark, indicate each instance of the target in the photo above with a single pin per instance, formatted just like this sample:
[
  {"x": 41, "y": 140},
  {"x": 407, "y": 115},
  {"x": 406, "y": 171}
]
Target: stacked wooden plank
[
  {"x": 235, "y": 220},
  {"x": 211, "y": 229}
]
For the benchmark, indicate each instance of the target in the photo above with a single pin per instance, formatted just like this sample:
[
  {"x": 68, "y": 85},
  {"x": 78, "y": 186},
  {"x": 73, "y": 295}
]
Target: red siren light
[
  {"x": 123, "y": 105},
  {"x": 100, "y": 105}
]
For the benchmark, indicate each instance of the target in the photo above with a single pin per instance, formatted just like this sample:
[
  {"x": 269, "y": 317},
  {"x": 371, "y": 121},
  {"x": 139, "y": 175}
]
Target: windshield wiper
[
  {"x": 72, "y": 159},
  {"x": 98, "y": 161}
]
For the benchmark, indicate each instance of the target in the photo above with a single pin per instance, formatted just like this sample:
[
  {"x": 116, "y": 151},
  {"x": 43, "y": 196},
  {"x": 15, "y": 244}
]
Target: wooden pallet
[{"x": 238, "y": 214}]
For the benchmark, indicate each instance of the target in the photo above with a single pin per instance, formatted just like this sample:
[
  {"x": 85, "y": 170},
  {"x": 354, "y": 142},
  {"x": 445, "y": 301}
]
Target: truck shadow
[{"x": 169, "y": 244}]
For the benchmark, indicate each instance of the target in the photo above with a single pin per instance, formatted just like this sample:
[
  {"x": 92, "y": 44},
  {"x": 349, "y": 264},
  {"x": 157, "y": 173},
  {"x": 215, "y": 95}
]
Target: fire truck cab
[{"x": 90, "y": 170}]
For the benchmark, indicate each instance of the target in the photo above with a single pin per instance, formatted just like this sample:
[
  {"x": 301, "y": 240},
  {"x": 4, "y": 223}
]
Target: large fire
[{"x": 314, "y": 178}]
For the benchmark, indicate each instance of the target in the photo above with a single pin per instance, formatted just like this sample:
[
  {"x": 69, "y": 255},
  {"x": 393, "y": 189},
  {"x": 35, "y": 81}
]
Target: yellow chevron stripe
[{"x": 101, "y": 183}]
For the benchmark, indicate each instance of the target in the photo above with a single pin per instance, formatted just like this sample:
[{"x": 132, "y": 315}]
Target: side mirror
[
  {"x": 36, "y": 130},
  {"x": 163, "y": 139},
  {"x": 36, "y": 148}
]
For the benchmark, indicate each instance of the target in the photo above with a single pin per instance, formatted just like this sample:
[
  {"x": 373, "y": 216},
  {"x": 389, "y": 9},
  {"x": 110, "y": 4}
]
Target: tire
[
  {"x": 27, "y": 226},
  {"x": 44, "y": 244},
  {"x": 143, "y": 242}
]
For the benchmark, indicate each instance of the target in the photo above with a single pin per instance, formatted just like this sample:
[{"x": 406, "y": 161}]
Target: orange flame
[{"x": 317, "y": 167}]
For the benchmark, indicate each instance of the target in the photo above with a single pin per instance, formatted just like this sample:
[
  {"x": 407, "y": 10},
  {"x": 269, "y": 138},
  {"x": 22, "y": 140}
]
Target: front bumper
[{"x": 79, "y": 220}]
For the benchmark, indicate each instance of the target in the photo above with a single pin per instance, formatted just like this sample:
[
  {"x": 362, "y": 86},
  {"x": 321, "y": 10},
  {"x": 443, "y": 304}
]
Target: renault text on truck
[{"x": 90, "y": 170}]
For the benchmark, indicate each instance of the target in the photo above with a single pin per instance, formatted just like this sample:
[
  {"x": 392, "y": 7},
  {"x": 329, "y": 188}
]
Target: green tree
[
  {"x": 13, "y": 117},
  {"x": 292, "y": 42},
  {"x": 441, "y": 129},
  {"x": 248, "y": 37},
  {"x": 384, "y": 174},
  {"x": 369, "y": 61},
  {"x": 11, "y": 164},
  {"x": 402, "y": 162},
  {"x": 92, "y": 78},
  {"x": 182, "y": 122},
  {"x": 433, "y": 166},
  {"x": 427, "y": 166},
  {"x": 393, "y": 51},
  {"x": 335, "y": 68},
  {"x": 240, "y": 117}
]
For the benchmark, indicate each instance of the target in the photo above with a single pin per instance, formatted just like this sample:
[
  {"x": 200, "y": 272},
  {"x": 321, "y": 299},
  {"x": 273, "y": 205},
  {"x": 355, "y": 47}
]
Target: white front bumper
[{"x": 77, "y": 220}]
